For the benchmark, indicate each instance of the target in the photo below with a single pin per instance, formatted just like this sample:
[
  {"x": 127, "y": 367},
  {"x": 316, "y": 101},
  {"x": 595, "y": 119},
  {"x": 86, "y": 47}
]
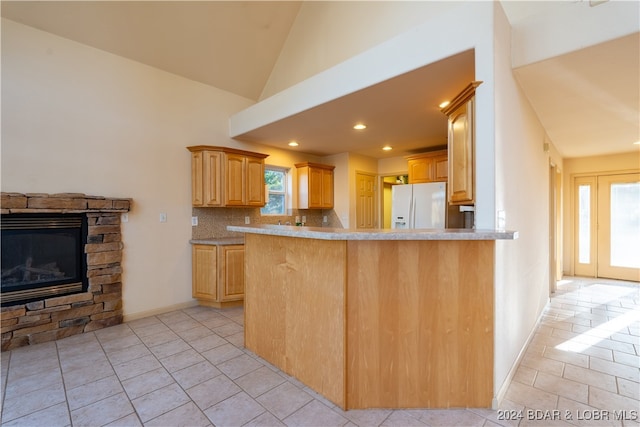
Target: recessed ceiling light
[
  {"x": 387, "y": 148},
  {"x": 360, "y": 126},
  {"x": 444, "y": 104},
  {"x": 293, "y": 144}
]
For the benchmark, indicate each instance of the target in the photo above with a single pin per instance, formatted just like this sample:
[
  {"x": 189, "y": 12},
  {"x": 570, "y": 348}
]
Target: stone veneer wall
[{"x": 101, "y": 306}]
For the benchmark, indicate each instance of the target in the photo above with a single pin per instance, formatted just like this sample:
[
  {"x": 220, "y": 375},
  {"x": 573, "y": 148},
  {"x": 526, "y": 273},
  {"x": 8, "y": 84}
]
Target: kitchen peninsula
[{"x": 375, "y": 318}]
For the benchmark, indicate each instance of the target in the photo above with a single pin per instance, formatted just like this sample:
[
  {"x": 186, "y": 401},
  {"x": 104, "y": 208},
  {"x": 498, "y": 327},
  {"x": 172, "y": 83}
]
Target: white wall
[
  {"x": 326, "y": 33},
  {"x": 545, "y": 35},
  {"x": 521, "y": 191},
  {"x": 77, "y": 119}
]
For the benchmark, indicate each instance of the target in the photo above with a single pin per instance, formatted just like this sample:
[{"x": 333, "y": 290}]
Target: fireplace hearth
[{"x": 61, "y": 265}]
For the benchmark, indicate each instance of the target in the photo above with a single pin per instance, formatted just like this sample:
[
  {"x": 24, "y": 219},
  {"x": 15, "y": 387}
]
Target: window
[{"x": 276, "y": 181}]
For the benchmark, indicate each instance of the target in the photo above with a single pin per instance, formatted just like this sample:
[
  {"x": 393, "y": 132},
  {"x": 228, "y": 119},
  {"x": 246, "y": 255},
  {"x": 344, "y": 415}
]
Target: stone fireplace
[{"x": 67, "y": 305}]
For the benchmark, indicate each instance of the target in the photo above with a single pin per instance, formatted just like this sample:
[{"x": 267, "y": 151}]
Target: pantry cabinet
[
  {"x": 461, "y": 146},
  {"x": 226, "y": 177},
  {"x": 315, "y": 185},
  {"x": 428, "y": 167},
  {"x": 218, "y": 273}
]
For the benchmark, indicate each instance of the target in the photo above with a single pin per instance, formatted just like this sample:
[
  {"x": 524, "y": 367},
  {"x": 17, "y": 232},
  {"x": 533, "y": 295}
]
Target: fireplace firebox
[{"x": 42, "y": 256}]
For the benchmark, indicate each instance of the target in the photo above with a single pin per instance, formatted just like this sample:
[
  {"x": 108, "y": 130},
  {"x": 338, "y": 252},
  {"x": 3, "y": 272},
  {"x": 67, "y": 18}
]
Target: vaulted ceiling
[{"x": 588, "y": 101}]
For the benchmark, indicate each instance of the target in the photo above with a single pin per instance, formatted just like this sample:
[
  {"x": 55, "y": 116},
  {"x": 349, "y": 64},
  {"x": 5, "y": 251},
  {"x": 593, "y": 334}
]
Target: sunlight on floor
[
  {"x": 597, "y": 334},
  {"x": 604, "y": 295}
]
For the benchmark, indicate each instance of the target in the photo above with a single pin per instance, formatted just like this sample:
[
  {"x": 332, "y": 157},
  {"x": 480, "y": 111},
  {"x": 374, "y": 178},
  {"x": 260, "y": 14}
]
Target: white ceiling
[{"x": 588, "y": 101}]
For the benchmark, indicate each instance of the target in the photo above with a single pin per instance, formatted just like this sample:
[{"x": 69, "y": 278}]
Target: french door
[{"x": 607, "y": 226}]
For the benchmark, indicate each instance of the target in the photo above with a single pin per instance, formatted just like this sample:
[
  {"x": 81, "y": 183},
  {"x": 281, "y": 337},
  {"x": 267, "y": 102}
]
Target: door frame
[
  {"x": 555, "y": 226},
  {"x": 573, "y": 197},
  {"x": 382, "y": 201}
]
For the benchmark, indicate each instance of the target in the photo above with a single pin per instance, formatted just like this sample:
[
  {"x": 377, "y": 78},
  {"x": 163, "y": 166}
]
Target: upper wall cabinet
[
  {"x": 226, "y": 177},
  {"x": 315, "y": 186},
  {"x": 428, "y": 167},
  {"x": 461, "y": 146}
]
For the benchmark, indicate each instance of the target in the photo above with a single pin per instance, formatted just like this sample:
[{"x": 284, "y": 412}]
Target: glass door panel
[
  {"x": 619, "y": 226},
  {"x": 585, "y": 226}
]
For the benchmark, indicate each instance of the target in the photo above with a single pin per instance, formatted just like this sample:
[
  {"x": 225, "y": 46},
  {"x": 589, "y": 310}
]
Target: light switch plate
[
  {"x": 194, "y": 221},
  {"x": 502, "y": 220},
  {"x": 163, "y": 217},
  {"x": 124, "y": 217},
  {"x": 247, "y": 220}
]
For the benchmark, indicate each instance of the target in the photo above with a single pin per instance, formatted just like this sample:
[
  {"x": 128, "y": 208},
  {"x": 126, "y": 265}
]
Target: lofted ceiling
[{"x": 588, "y": 101}]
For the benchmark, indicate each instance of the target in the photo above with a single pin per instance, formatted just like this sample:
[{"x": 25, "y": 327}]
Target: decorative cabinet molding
[
  {"x": 428, "y": 167},
  {"x": 226, "y": 177},
  {"x": 461, "y": 146},
  {"x": 218, "y": 274},
  {"x": 315, "y": 185}
]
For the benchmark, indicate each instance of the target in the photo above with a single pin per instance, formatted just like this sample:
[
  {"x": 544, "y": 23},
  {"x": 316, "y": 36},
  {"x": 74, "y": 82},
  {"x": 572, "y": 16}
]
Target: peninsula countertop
[
  {"x": 219, "y": 241},
  {"x": 325, "y": 233}
]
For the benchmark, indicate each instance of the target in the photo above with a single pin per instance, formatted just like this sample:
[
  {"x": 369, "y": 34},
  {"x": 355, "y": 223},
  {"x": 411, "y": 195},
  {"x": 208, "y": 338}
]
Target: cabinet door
[
  {"x": 212, "y": 178},
  {"x": 327, "y": 188},
  {"x": 421, "y": 170},
  {"x": 231, "y": 272},
  {"x": 461, "y": 155},
  {"x": 316, "y": 188},
  {"x": 235, "y": 172},
  {"x": 440, "y": 168},
  {"x": 255, "y": 182},
  {"x": 205, "y": 274},
  {"x": 197, "y": 178}
]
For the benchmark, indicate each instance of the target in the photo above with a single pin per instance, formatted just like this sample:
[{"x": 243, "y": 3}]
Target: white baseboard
[
  {"x": 497, "y": 400},
  {"x": 155, "y": 312}
]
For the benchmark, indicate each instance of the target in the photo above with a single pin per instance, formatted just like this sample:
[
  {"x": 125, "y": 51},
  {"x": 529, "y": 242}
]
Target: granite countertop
[
  {"x": 219, "y": 241},
  {"x": 323, "y": 233}
]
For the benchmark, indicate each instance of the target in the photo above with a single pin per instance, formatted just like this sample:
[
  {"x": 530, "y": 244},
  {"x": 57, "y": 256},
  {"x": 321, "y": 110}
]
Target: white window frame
[{"x": 284, "y": 191}]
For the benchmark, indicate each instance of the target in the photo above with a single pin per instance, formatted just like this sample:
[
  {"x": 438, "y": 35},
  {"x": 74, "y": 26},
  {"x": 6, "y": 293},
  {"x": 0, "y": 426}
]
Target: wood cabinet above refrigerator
[{"x": 428, "y": 167}]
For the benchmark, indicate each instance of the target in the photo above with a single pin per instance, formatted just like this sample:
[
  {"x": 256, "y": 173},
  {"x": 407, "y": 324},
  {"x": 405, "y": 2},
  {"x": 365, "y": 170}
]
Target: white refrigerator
[{"x": 418, "y": 205}]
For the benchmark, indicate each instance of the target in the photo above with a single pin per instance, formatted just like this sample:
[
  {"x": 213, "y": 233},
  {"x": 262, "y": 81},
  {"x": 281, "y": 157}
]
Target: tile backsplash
[{"x": 213, "y": 222}]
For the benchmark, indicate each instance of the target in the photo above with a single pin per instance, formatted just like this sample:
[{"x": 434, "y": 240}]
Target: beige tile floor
[{"x": 189, "y": 368}]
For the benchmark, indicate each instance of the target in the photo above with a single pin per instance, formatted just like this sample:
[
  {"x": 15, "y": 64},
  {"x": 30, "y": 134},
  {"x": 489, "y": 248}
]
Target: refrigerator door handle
[{"x": 412, "y": 214}]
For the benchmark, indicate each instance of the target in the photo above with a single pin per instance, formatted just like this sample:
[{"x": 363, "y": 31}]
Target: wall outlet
[
  {"x": 163, "y": 217},
  {"x": 304, "y": 219},
  {"x": 247, "y": 220},
  {"x": 124, "y": 217},
  {"x": 194, "y": 221},
  {"x": 325, "y": 219}
]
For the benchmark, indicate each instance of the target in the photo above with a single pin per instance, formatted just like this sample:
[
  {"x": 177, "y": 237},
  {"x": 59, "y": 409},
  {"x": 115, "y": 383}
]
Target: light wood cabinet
[
  {"x": 428, "y": 167},
  {"x": 461, "y": 147},
  {"x": 218, "y": 274},
  {"x": 315, "y": 185},
  {"x": 226, "y": 177}
]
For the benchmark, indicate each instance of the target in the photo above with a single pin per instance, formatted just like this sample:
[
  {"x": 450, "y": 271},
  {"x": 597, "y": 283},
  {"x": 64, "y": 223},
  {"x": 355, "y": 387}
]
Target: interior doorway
[
  {"x": 386, "y": 182},
  {"x": 607, "y": 226},
  {"x": 365, "y": 200},
  {"x": 555, "y": 230}
]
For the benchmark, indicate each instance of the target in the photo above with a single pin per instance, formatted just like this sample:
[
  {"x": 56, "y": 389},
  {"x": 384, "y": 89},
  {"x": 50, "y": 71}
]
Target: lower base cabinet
[{"x": 218, "y": 274}]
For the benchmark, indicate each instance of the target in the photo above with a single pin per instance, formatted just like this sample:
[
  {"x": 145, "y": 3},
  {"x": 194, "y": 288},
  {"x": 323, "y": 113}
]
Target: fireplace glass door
[{"x": 42, "y": 256}]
